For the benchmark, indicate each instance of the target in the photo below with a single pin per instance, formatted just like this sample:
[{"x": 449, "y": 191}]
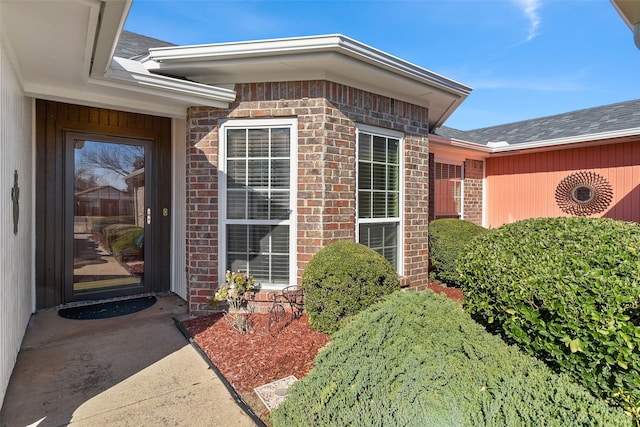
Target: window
[
  {"x": 448, "y": 197},
  {"x": 256, "y": 182},
  {"x": 379, "y": 192}
]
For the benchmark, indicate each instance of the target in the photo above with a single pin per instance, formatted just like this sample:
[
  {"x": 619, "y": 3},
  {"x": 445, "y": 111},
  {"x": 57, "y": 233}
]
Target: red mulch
[
  {"x": 452, "y": 293},
  {"x": 256, "y": 358}
]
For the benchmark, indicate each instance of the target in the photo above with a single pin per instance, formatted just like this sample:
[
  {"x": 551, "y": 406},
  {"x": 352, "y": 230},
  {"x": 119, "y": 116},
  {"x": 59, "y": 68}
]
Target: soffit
[
  {"x": 629, "y": 10},
  {"x": 61, "y": 50},
  {"x": 334, "y": 57}
]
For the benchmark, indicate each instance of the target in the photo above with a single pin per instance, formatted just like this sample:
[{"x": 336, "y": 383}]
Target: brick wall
[
  {"x": 327, "y": 113},
  {"x": 473, "y": 175}
]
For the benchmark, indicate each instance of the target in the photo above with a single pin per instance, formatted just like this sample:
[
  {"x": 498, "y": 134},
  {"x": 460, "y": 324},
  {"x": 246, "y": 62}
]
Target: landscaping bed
[{"x": 256, "y": 358}]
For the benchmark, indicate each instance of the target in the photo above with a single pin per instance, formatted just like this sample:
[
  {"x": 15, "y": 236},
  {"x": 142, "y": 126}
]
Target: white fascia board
[
  {"x": 135, "y": 74},
  {"x": 549, "y": 143},
  {"x": 302, "y": 46}
]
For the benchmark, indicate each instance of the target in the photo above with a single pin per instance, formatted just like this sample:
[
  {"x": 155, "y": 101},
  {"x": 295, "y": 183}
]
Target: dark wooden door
[{"x": 75, "y": 200}]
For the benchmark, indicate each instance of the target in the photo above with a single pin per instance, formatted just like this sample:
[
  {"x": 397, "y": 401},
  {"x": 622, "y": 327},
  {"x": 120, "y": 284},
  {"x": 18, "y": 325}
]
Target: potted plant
[{"x": 236, "y": 291}]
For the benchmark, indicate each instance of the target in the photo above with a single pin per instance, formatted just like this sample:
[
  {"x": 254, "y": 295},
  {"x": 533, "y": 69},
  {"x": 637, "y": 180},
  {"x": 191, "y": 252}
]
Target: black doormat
[{"x": 108, "y": 309}]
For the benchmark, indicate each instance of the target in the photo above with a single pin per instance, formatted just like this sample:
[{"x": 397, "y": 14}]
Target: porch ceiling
[{"x": 62, "y": 50}]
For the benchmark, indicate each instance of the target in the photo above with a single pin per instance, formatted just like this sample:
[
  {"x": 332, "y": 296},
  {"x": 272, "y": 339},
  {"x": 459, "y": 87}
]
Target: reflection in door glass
[{"x": 108, "y": 231}]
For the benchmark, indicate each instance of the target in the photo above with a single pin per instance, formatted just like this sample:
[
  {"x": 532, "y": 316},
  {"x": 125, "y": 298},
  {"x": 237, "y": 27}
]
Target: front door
[{"x": 107, "y": 217}]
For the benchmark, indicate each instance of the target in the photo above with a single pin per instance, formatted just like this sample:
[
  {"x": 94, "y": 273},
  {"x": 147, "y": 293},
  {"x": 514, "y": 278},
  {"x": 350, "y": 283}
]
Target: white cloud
[{"x": 530, "y": 9}]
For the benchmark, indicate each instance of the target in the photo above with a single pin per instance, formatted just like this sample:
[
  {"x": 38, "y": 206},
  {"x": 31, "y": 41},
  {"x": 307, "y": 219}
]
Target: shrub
[
  {"x": 125, "y": 239},
  {"x": 567, "y": 291},
  {"x": 342, "y": 279},
  {"x": 448, "y": 240},
  {"x": 416, "y": 359},
  {"x": 112, "y": 232}
]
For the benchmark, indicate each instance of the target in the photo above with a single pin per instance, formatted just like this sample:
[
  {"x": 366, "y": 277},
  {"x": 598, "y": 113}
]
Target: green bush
[
  {"x": 112, "y": 232},
  {"x": 448, "y": 240},
  {"x": 416, "y": 359},
  {"x": 342, "y": 279},
  {"x": 566, "y": 290},
  {"x": 126, "y": 239}
]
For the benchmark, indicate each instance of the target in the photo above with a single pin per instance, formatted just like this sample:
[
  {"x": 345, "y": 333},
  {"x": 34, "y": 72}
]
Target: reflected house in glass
[
  {"x": 135, "y": 183},
  {"x": 104, "y": 200}
]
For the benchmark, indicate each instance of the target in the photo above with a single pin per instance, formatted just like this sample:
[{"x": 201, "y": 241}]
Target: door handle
[{"x": 148, "y": 215}]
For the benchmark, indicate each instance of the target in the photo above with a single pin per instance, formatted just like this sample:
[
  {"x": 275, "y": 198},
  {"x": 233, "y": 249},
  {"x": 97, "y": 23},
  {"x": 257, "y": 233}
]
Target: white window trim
[
  {"x": 291, "y": 123},
  {"x": 387, "y": 133}
]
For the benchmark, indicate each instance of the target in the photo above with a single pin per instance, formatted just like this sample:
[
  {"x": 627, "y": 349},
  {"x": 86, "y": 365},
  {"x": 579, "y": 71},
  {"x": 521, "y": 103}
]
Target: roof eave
[
  {"x": 447, "y": 93},
  {"x": 136, "y": 77}
]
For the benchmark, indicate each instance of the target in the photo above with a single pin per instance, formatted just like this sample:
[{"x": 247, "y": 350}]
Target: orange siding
[{"x": 523, "y": 186}]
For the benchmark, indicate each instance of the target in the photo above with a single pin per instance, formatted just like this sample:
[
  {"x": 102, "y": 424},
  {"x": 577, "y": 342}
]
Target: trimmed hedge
[
  {"x": 342, "y": 279},
  {"x": 566, "y": 290},
  {"x": 417, "y": 359},
  {"x": 449, "y": 239}
]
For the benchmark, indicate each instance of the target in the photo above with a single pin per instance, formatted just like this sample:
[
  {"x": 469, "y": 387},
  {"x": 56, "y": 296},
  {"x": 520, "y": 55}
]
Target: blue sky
[{"x": 523, "y": 58}]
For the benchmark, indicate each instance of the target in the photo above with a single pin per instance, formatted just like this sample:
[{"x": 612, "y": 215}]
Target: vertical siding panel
[
  {"x": 635, "y": 199},
  {"x": 628, "y": 182},
  {"x": 16, "y": 263}
]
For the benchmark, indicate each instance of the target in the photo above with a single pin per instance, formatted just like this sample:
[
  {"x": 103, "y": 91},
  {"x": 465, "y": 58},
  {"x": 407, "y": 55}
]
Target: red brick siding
[
  {"x": 327, "y": 114},
  {"x": 473, "y": 175}
]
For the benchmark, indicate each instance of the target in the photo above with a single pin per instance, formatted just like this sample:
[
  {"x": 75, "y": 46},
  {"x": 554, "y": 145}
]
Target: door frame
[
  {"x": 53, "y": 121},
  {"x": 69, "y": 223}
]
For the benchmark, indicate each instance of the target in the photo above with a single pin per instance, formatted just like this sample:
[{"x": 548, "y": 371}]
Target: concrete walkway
[{"x": 134, "y": 370}]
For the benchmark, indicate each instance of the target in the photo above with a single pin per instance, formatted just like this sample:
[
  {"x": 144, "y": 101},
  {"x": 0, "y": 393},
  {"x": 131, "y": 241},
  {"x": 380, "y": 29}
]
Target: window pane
[
  {"x": 392, "y": 205},
  {"x": 383, "y": 239},
  {"x": 379, "y": 149},
  {"x": 280, "y": 239},
  {"x": 364, "y": 204},
  {"x": 236, "y": 173},
  {"x": 364, "y": 147},
  {"x": 379, "y": 205},
  {"x": 393, "y": 175},
  {"x": 280, "y": 205},
  {"x": 364, "y": 176},
  {"x": 258, "y": 173},
  {"x": 280, "y": 173},
  {"x": 259, "y": 239},
  {"x": 237, "y": 239},
  {"x": 280, "y": 142},
  {"x": 236, "y": 143},
  {"x": 259, "y": 268},
  {"x": 258, "y": 205},
  {"x": 236, "y": 204},
  {"x": 394, "y": 147},
  {"x": 379, "y": 177},
  {"x": 258, "y": 142},
  {"x": 280, "y": 269}
]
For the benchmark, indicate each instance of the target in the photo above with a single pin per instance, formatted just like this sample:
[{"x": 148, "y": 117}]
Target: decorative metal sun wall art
[{"x": 584, "y": 193}]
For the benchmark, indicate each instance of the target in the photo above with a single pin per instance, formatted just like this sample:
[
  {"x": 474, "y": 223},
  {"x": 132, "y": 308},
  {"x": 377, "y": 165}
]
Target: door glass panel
[{"x": 109, "y": 216}]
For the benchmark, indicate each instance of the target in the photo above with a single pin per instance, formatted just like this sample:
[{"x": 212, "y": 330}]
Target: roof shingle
[{"x": 606, "y": 118}]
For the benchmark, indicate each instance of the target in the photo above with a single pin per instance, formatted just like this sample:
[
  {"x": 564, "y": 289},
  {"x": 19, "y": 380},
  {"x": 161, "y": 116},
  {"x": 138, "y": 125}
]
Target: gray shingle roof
[
  {"x": 131, "y": 44},
  {"x": 607, "y": 118}
]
